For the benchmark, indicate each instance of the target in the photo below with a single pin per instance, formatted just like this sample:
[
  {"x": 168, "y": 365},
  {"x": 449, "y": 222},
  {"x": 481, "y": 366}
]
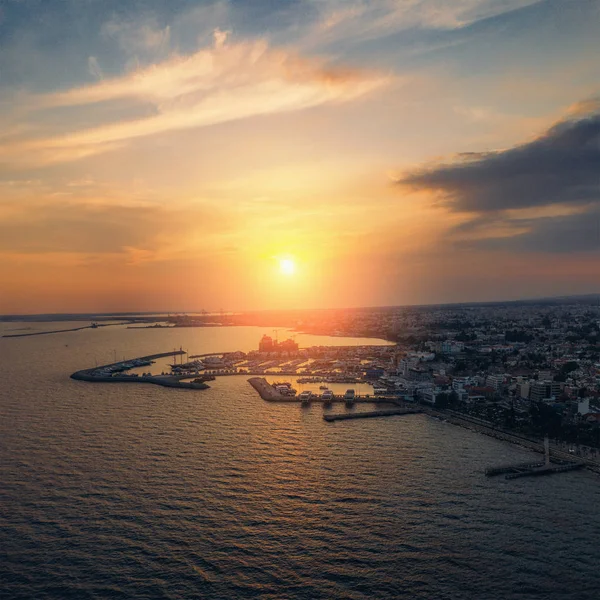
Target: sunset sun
[{"x": 287, "y": 266}]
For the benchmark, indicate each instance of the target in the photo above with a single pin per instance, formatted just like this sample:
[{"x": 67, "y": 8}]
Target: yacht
[
  {"x": 327, "y": 397},
  {"x": 349, "y": 397},
  {"x": 285, "y": 390},
  {"x": 305, "y": 397}
]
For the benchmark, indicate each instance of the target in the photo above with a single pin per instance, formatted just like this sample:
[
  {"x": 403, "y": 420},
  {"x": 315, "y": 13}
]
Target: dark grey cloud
[
  {"x": 575, "y": 233},
  {"x": 561, "y": 166}
]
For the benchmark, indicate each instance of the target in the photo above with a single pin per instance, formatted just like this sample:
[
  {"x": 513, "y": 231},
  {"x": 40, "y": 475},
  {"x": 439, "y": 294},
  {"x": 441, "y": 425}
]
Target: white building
[
  {"x": 583, "y": 406},
  {"x": 495, "y": 381}
]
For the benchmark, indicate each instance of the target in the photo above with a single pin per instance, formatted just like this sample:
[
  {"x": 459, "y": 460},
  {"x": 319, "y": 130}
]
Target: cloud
[
  {"x": 94, "y": 68},
  {"x": 575, "y": 233},
  {"x": 223, "y": 82},
  {"x": 86, "y": 221},
  {"x": 542, "y": 196},
  {"x": 134, "y": 37},
  {"x": 560, "y": 166},
  {"x": 363, "y": 19}
]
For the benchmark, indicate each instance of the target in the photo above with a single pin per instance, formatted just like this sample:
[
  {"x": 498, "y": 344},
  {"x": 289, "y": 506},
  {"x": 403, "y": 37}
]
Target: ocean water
[{"x": 137, "y": 491}]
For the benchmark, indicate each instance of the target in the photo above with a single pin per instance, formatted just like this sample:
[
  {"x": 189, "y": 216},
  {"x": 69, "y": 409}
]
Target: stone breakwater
[
  {"x": 268, "y": 392},
  {"x": 372, "y": 414},
  {"x": 171, "y": 381}
]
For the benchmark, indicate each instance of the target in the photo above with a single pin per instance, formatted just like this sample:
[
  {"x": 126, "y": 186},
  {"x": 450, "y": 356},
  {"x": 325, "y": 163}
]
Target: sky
[{"x": 178, "y": 155}]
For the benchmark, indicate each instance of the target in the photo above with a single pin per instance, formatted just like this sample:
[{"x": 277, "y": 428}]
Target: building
[
  {"x": 544, "y": 391},
  {"x": 458, "y": 383},
  {"x": 583, "y": 406},
  {"x": 429, "y": 395},
  {"x": 495, "y": 381},
  {"x": 451, "y": 347},
  {"x": 267, "y": 344},
  {"x": 523, "y": 390}
]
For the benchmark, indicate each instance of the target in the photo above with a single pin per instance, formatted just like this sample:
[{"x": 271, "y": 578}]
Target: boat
[
  {"x": 323, "y": 387},
  {"x": 327, "y": 397},
  {"x": 349, "y": 397},
  {"x": 285, "y": 390},
  {"x": 305, "y": 397},
  {"x": 380, "y": 391},
  {"x": 277, "y": 384}
]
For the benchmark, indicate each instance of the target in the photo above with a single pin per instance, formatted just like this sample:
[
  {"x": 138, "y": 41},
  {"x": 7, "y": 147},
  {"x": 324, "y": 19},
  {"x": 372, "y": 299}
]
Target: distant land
[{"x": 146, "y": 315}]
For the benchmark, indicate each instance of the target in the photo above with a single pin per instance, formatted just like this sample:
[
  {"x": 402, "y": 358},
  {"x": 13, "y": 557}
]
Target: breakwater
[
  {"x": 171, "y": 381},
  {"x": 34, "y": 333},
  {"x": 268, "y": 392},
  {"x": 371, "y": 414}
]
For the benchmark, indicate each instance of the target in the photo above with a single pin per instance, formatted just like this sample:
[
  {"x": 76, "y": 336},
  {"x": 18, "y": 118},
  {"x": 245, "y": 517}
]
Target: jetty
[
  {"x": 49, "y": 332},
  {"x": 107, "y": 374},
  {"x": 534, "y": 469},
  {"x": 371, "y": 414},
  {"x": 270, "y": 394}
]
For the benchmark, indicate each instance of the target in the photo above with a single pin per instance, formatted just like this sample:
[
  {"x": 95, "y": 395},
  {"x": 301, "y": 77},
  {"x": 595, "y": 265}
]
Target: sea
[{"x": 138, "y": 491}]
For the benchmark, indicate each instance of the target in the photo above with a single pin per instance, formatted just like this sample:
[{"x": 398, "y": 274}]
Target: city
[
  {"x": 531, "y": 368},
  {"x": 299, "y": 299}
]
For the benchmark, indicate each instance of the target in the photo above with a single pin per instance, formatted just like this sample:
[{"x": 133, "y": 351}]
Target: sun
[{"x": 287, "y": 266}]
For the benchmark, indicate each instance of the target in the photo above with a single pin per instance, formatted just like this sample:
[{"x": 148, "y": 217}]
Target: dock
[
  {"x": 270, "y": 394},
  {"x": 371, "y": 414}
]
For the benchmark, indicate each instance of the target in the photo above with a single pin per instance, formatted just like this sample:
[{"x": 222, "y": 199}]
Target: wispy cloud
[
  {"x": 216, "y": 84},
  {"x": 365, "y": 19}
]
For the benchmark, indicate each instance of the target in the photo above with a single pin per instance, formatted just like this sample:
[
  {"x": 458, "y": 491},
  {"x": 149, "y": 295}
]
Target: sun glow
[{"x": 287, "y": 266}]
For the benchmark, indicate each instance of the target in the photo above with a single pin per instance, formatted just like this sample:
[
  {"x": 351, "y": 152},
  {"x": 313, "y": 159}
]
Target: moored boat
[
  {"x": 327, "y": 397},
  {"x": 349, "y": 397}
]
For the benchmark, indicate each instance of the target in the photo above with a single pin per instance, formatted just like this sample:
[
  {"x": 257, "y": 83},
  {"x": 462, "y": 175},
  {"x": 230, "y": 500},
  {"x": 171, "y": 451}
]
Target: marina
[
  {"x": 319, "y": 375},
  {"x": 271, "y": 393}
]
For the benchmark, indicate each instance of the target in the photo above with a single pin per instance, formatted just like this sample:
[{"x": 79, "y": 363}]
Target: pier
[
  {"x": 270, "y": 394},
  {"x": 371, "y": 414}
]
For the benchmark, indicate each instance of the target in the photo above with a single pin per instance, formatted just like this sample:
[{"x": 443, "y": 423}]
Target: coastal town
[{"x": 529, "y": 368}]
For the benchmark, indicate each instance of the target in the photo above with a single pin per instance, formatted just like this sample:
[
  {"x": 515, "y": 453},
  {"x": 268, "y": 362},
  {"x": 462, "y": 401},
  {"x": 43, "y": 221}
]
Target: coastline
[{"x": 511, "y": 438}]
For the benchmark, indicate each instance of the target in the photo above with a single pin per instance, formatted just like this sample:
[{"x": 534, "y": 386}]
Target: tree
[
  {"x": 442, "y": 400},
  {"x": 453, "y": 399}
]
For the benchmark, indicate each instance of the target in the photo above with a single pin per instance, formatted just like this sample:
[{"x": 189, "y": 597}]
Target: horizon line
[{"x": 275, "y": 310}]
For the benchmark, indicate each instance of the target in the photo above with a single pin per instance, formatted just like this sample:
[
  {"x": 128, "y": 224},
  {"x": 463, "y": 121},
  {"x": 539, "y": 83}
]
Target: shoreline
[
  {"x": 512, "y": 438},
  {"x": 268, "y": 394}
]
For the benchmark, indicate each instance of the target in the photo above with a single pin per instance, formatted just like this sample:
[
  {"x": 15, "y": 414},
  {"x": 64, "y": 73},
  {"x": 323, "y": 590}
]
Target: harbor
[{"x": 321, "y": 375}]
